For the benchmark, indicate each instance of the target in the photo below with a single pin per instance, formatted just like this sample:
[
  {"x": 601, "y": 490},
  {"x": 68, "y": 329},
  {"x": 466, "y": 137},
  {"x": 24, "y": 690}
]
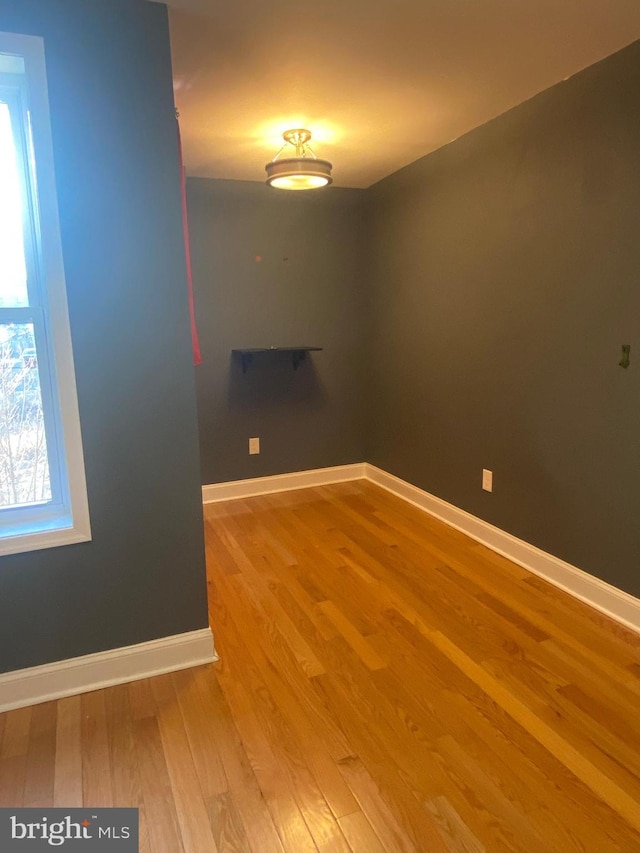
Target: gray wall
[
  {"x": 504, "y": 272},
  {"x": 142, "y": 576},
  {"x": 307, "y": 289}
]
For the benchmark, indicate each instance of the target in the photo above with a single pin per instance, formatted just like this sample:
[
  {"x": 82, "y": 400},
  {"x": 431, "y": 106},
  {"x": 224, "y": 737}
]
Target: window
[{"x": 43, "y": 500}]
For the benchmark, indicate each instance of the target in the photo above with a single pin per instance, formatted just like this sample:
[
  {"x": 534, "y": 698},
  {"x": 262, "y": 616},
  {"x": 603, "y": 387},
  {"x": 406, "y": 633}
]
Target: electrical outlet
[
  {"x": 254, "y": 446},
  {"x": 487, "y": 480}
]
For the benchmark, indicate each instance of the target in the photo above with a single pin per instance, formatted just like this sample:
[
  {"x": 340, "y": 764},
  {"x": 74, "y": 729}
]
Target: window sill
[{"x": 37, "y": 540}]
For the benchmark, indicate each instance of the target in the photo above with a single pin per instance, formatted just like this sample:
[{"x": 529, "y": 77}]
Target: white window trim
[{"x": 75, "y": 527}]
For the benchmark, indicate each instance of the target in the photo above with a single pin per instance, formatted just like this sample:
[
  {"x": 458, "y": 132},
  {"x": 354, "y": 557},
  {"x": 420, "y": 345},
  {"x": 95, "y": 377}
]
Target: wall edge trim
[
  {"x": 44, "y": 683},
  {"x": 613, "y": 602},
  {"x": 282, "y": 482}
]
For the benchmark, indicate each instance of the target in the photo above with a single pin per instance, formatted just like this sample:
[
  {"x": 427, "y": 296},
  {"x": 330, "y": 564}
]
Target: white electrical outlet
[
  {"x": 254, "y": 446},
  {"x": 487, "y": 480}
]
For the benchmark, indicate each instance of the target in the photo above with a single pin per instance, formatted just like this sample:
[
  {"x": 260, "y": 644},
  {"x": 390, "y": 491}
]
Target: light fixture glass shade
[
  {"x": 298, "y": 173},
  {"x": 301, "y": 172}
]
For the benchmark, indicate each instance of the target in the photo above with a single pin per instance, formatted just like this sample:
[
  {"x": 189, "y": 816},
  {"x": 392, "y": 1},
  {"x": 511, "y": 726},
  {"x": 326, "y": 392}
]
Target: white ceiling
[{"x": 380, "y": 83}]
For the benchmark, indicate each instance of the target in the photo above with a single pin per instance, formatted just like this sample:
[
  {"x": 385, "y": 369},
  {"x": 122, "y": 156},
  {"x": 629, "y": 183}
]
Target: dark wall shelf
[{"x": 298, "y": 354}]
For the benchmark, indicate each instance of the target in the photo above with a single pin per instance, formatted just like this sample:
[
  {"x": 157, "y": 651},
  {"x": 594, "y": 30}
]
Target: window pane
[
  {"x": 11, "y": 64},
  {"x": 13, "y": 273},
  {"x": 24, "y": 466}
]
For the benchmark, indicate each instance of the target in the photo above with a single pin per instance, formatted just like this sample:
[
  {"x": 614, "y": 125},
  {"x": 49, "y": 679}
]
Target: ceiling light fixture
[{"x": 302, "y": 172}]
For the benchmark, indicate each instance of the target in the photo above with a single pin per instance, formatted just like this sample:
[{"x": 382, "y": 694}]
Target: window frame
[{"x": 65, "y": 518}]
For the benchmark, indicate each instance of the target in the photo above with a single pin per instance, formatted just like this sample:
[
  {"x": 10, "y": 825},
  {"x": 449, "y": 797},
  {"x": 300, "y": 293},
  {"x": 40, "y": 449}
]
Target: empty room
[{"x": 319, "y": 426}]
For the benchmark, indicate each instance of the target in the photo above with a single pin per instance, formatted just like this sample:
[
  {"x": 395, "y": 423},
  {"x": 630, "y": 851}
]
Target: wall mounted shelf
[{"x": 298, "y": 354}]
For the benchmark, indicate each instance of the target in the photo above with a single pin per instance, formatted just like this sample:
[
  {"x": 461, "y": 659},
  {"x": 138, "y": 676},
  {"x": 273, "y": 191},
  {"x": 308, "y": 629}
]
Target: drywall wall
[
  {"x": 278, "y": 269},
  {"x": 142, "y": 576},
  {"x": 504, "y": 280}
]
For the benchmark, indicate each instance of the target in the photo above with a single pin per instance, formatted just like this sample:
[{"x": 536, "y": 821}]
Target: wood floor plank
[
  {"x": 273, "y": 751},
  {"x": 40, "y": 772},
  {"x": 398, "y": 752},
  {"x": 158, "y": 807},
  {"x": 191, "y": 809},
  {"x": 359, "y": 833},
  {"x": 528, "y": 772},
  {"x": 584, "y": 768},
  {"x": 358, "y": 643},
  {"x": 201, "y": 735},
  {"x": 249, "y": 801},
  {"x": 274, "y": 783},
  {"x": 97, "y": 778},
  {"x": 579, "y": 658},
  {"x": 595, "y": 736},
  {"x": 310, "y": 741},
  {"x": 122, "y": 755},
  {"x": 505, "y": 825},
  {"x": 576, "y": 667},
  {"x": 343, "y": 588},
  {"x": 597, "y": 623},
  {"x": 280, "y": 665},
  {"x": 226, "y": 824},
  {"x": 568, "y": 624},
  {"x": 430, "y": 716},
  {"x": 456, "y": 833},
  {"x": 385, "y": 683},
  {"x": 288, "y": 743},
  {"x": 126, "y": 776},
  {"x": 67, "y": 786},
  {"x": 532, "y": 724},
  {"x": 392, "y": 835},
  {"x": 543, "y": 703},
  {"x": 141, "y": 699},
  {"x": 13, "y": 773},
  {"x": 282, "y": 623},
  {"x": 15, "y": 737}
]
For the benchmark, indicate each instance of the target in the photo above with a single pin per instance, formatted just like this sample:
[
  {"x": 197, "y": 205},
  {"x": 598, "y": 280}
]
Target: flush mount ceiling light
[{"x": 302, "y": 172}]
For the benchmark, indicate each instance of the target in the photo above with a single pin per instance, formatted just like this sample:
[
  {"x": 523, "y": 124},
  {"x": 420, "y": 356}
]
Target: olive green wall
[
  {"x": 114, "y": 138},
  {"x": 306, "y": 289},
  {"x": 504, "y": 277}
]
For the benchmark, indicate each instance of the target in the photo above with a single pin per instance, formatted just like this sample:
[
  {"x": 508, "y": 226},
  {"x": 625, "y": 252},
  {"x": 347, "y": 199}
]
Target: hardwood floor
[{"x": 385, "y": 684}]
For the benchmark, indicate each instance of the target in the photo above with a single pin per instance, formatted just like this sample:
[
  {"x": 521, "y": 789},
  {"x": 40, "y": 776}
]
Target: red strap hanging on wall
[{"x": 197, "y": 357}]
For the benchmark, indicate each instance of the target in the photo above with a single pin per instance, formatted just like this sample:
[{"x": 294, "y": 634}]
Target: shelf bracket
[{"x": 298, "y": 354}]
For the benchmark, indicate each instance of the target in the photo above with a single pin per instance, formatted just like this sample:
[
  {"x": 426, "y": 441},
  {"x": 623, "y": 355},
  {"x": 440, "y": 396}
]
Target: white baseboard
[
  {"x": 619, "y": 605},
  {"x": 117, "y": 666},
  {"x": 282, "y": 482}
]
